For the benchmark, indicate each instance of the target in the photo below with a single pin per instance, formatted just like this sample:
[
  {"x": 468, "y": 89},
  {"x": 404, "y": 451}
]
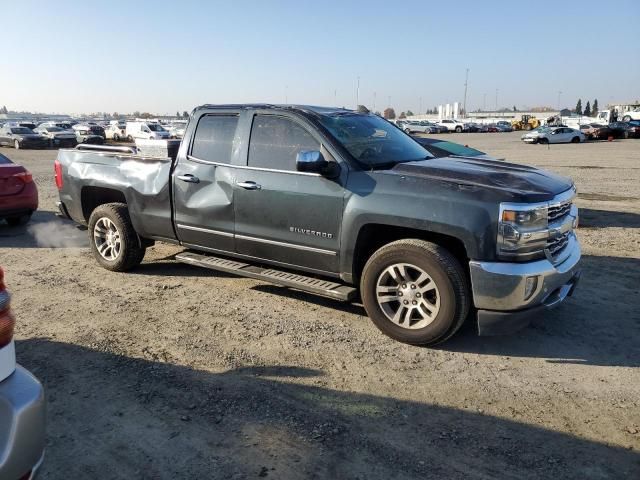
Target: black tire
[
  {"x": 626, "y": 118},
  {"x": 129, "y": 139},
  {"x": 543, "y": 141},
  {"x": 458, "y": 129},
  {"x": 527, "y": 127},
  {"x": 131, "y": 250},
  {"x": 445, "y": 271},
  {"x": 407, "y": 131},
  {"x": 17, "y": 221},
  {"x": 575, "y": 140},
  {"x": 16, "y": 145},
  {"x": 116, "y": 137}
]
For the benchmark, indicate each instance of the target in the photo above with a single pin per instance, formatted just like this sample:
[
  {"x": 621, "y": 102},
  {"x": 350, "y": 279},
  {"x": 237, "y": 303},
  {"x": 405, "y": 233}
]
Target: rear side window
[
  {"x": 4, "y": 160},
  {"x": 213, "y": 140},
  {"x": 276, "y": 141}
]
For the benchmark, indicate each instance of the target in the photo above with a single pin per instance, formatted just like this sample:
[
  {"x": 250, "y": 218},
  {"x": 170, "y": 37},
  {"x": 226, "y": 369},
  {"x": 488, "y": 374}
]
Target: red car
[{"x": 18, "y": 193}]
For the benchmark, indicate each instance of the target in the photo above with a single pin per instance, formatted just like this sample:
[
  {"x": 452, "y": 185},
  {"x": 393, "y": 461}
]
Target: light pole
[
  {"x": 464, "y": 103},
  {"x": 484, "y": 103},
  {"x": 420, "y": 111},
  {"x": 496, "y": 99},
  {"x": 559, "y": 95}
]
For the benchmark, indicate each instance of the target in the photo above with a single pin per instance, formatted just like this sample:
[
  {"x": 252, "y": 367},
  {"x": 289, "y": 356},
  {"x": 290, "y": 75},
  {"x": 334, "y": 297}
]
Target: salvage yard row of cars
[{"x": 63, "y": 134}]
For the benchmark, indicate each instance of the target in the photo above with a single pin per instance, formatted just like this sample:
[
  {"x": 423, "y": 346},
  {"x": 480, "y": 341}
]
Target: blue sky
[{"x": 162, "y": 56}]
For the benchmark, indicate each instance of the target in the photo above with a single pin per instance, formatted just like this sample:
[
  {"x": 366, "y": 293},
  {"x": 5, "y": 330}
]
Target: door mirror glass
[{"x": 312, "y": 161}]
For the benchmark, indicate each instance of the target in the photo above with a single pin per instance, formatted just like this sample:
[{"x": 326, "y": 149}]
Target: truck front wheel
[
  {"x": 415, "y": 292},
  {"x": 114, "y": 242}
]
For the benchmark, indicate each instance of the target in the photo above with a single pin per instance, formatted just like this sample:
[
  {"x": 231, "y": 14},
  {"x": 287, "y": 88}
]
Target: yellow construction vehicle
[{"x": 527, "y": 122}]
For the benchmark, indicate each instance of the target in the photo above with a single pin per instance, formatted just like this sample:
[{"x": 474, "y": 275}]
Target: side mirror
[{"x": 312, "y": 161}]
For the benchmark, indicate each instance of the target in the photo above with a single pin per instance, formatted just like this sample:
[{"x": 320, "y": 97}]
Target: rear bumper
[
  {"x": 22, "y": 425},
  {"x": 20, "y": 204},
  {"x": 509, "y": 295}
]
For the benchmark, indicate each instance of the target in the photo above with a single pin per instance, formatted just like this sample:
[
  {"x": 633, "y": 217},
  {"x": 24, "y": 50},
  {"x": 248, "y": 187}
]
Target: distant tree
[
  {"x": 363, "y": 109},
  {"x": 389, "y": 113},
  {"x": 594, "y": 109},
  {"x": 402, "y": 115},
  {"x": 185, "y": 114},
  {"x": 410, "y": 113},
  {"x": 136, "y": 114},
  {"x": 378, "y": 113},
  {"x": 4, "y": 109},
  {"x": 178, "y": 114},
  {"x": 515, "y": 109},
  {"x": 115, "y": 115},
  {"x": 579, "y": 107},
  {"x": 587, "y": 110}
]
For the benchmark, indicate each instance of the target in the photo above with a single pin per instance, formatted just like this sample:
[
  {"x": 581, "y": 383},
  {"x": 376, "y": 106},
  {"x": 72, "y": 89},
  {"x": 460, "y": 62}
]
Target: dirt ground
[{"x": 177, "y": 372}]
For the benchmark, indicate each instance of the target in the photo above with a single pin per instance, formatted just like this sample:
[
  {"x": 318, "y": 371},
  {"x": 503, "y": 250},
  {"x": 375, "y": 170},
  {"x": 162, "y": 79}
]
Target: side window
[
  {"x": 276, "y": 141},
  {"x": 213, "y": 140}
]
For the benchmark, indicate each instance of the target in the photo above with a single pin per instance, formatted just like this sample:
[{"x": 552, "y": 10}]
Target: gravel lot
[{"x": 176, "y": 372}]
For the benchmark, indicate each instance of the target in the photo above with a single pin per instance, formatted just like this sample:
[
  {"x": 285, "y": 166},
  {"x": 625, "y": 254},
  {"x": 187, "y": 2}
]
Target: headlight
[{"x": 522, "y": 231}]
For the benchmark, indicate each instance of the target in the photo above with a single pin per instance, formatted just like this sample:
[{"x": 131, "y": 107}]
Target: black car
[
  {"x": 21, "y": 137},
  {"x": 442, "y": 148},
  {"x": 620, "y": 129}
]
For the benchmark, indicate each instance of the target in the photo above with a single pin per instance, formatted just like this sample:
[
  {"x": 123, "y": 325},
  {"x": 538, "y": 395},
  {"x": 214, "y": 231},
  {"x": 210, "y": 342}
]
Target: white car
[
  {"x": 417, "y": 126},
  {"x": 453, "y": 125},
  {"x": 146, "y": 131},
  {"x": 561, "y": 135},
  {"x": 532, "y": 135},
  {"x": 116, "y": 131},
  {"x": 57, "y": 136},
  {"x": 176, "y": 130}
]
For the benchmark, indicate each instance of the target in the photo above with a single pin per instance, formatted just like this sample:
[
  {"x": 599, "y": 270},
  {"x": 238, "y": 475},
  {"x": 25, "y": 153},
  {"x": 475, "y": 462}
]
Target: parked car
[
  {"x": 22, "y": 405},
  {"x": 504, "y": 126},
  {"x": 489, "y": 128},
  {"x": 561, "y": 135},
  {"x": 453, "y": 125},
  {"x": 18, "y": 193},
  {"x": 89, "y": 129},
  {"x": 442, "y": 148},
  {"x": 419, "y": 127},
  {"x": 62, "y": 125},
  {"x": 116, "y": 131},
  {"x": 58, "y": 137},
  {"x": 634, "y": 128},
  {"x": 176, "y": 130},
  {"x": 85, "y": 134},
  {"x": 21, "y": 137},
  {"x": 620, "y": 129},
  {"x": 532, "y": 135},
  {"x": 422, "y": 238},
  {"x": 146, "y": 131},
  {"x": 473, "y": 127}
]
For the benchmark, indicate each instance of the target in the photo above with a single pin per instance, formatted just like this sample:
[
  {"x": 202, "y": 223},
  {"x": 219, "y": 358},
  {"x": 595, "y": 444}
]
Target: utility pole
[
  {"x": 559, "y": 95},
  {"x": 464, "y": 103},
  {"x": 358, "y": 93},
  {"x": 484, "y": 103},
  {"x": 496, "y": 99},
  {"x": 420, "y": 111}
]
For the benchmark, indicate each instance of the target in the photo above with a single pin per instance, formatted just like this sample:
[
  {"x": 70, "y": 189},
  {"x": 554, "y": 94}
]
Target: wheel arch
[
  {"x": 373, "y": 236},
  {"x": 92, "y": 197}
]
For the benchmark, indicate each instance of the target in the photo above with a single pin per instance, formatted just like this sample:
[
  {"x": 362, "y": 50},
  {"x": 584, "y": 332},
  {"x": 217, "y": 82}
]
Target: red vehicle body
[{"x": 18, "y": 193}]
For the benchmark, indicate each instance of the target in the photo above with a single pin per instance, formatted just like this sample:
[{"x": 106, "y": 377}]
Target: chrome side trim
[
  {"x": 246, "y": 167},
  {"x": 204, "y": 230},
  {"x": 288, "y": 245}
]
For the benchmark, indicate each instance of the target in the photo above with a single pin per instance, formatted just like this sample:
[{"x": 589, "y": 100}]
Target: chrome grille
[
  {"x": 555, "y": 245},
  {"x": 559, "y": 210}
]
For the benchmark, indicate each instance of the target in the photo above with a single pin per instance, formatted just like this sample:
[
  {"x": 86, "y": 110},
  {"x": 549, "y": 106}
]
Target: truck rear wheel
[
  {"x": 114, "y": 242},
  {"x": 415, "y": 292}
]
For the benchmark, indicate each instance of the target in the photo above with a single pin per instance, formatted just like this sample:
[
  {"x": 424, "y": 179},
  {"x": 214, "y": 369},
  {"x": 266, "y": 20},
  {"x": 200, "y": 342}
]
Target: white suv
[{"x": 453, "y": 125}]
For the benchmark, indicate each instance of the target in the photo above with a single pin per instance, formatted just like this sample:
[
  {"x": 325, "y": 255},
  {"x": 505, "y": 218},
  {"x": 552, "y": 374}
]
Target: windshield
[
  {"x": 154, "y": 127},
  {"x": 53, "y": 129},
  {"x": 372, "y": 140},
  {"x": 21, "y": 131},
  {"x": 457, "y": 149}
]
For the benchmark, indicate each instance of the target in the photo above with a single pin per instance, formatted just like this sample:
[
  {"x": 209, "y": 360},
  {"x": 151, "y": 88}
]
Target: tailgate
[{"x": 9, "y": 183}]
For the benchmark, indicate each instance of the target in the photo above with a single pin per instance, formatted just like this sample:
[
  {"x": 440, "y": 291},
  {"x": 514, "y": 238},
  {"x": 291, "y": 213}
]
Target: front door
[
  {"x": 281, "y": 214},
  {"x": 203, "y": 185}
]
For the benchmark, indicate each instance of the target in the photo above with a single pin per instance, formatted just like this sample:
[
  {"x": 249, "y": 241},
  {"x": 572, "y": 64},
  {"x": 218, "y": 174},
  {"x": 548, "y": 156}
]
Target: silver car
[{"x": 22, "y": 407}]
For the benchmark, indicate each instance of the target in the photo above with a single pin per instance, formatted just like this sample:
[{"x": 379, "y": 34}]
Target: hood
[
  {"x": 28, "y": 136},
  {"x": 511, "y": 181}
]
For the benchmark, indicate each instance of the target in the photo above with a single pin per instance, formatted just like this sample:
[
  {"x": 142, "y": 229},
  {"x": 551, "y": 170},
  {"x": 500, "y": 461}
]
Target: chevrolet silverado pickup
[{"x": 341, "y": 204}]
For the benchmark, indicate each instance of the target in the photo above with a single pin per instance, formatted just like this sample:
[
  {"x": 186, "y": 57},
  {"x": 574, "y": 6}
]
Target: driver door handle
[
  {"x": 249, "y": 185},
  {"x": 189, "y": 178}
]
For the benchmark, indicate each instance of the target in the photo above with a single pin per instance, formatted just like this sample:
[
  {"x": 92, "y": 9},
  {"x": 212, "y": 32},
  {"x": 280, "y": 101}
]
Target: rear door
[
  {"x": 281, "y": 214},
  {"x": 203, "y": 184}
]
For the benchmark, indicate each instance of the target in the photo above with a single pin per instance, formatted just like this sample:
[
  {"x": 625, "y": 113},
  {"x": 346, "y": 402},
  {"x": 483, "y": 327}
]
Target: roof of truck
[{"x": 266, "y": 106}]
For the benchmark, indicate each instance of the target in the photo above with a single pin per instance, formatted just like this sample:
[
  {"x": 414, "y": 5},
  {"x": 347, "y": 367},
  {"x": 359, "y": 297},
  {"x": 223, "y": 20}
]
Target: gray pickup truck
[{"x": 341, "y": 204}]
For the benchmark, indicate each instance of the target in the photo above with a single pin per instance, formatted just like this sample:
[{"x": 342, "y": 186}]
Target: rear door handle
[
  {"x": 189, "y": 178},
  {"x": 249, "y": 185}
]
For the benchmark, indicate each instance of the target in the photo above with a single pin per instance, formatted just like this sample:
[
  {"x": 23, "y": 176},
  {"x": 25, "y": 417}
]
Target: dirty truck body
[{"x": 340, "y": 204}]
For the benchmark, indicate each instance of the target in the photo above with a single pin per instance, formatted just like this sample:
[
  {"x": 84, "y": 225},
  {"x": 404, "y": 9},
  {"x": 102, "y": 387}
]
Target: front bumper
[
  {"x": 508, "y": 295},
  {"x": 22, "y": 425}
]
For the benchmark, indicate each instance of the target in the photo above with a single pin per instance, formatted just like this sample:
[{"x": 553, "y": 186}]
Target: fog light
[{"x": 530, "y": 286}]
